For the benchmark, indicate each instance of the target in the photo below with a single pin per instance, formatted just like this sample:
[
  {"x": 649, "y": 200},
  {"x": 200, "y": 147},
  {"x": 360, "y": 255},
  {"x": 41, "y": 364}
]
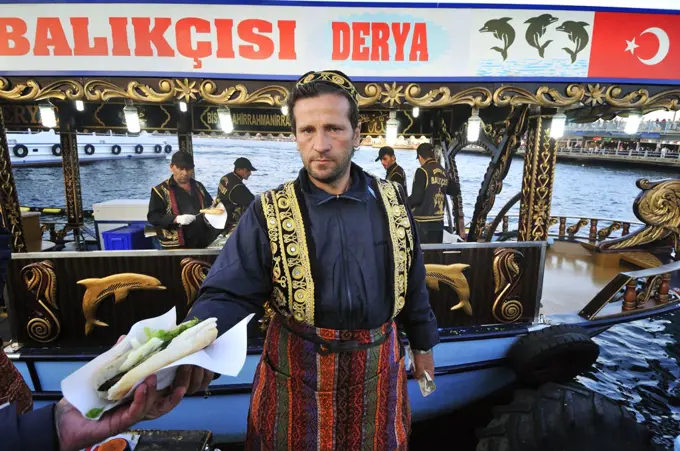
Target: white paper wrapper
[
  {"x": 225, "y": 356},
  {"x": 217, "y": 221}
]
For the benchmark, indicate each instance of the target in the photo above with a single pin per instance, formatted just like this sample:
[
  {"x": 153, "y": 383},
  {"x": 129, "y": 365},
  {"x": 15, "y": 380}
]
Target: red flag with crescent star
[{"x": 641, "y": 46}]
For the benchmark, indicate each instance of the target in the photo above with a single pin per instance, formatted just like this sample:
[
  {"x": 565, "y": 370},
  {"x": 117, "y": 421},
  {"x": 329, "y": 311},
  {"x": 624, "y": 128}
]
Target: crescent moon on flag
[{"x": 664, "y": 46}]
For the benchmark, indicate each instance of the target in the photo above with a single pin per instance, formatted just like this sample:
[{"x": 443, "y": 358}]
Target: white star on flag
[{"x": 631, "y": 46}]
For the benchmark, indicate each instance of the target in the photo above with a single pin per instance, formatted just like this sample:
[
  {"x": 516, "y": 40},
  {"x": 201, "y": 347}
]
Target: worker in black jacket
[
  {"x": 234, "y": 194},
  {"x": 428, "y": 196},
  {"x": 395, "y": 173}
]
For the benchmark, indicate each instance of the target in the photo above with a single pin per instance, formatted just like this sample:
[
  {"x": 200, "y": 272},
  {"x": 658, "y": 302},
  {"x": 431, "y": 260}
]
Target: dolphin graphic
[
  {"x": 451, "y": 275},
  {"x": 502, "y": 30},
  {"x": 537, "y": 28},
  {"x": 577, "y": 34},
  {"x": 118, "y": 285}
]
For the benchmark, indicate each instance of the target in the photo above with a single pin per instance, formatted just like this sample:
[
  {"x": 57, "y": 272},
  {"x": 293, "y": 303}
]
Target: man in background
[
  {"x": 234, "y": 194},
  {"x": 395, "y": 173},
  {"x": 175, "y": 205},
  {"x": 428, "y": 196}
]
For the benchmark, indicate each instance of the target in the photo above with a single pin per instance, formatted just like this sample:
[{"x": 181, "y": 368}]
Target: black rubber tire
[
  {"x": 139, "y": 149},
  {"x": 89, "y": 149},
  {"x": 565, "y": 418},
  {"x": 168, "y": 148},
  {"x": 157, "y": 148},
  {"x": 20, "y": 151},
  {"x": 115, "y": 149},
  {"x": 56, "y": 150},
  {"x": 554, "y": 354}
]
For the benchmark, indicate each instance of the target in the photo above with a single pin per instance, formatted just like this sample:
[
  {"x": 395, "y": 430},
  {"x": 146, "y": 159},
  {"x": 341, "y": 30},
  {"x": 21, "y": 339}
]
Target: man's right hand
[
  {"x": 185, "y": 219},
  {"x": 192, "y": 378}
]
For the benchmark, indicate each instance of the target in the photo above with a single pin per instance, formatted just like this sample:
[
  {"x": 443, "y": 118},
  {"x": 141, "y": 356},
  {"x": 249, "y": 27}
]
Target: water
[{"x": 639, "y": 362}]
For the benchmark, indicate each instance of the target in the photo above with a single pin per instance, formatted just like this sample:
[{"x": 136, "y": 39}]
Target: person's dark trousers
[
  {"x": 430, "y": 232},
  {"x": 5, "y": 255}
]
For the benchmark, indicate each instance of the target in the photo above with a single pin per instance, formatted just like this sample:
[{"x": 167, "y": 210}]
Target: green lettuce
[
  {"x": 94, "y": 413},
  {"x": 168, "y": 335}
]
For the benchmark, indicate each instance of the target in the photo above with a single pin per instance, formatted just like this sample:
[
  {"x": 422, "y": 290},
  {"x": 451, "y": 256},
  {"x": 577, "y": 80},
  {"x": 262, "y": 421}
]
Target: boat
[
  {"x": 43, "y": 148},
  {"x": 518, "y": 298}
]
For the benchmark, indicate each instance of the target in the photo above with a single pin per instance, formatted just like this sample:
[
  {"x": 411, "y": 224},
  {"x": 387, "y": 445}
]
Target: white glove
[{"x": 185, "y": 219}]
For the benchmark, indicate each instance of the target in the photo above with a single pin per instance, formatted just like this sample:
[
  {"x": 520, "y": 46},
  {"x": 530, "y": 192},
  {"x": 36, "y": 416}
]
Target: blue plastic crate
[{"x": 126, "y": 238}]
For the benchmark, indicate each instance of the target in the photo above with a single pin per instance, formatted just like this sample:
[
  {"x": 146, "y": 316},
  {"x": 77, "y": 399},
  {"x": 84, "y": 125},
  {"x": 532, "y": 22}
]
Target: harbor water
[{"x": 639, "y": 362}]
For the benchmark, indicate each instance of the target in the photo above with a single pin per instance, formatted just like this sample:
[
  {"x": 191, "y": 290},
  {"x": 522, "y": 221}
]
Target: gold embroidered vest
[{"x": 293, "y": 285}]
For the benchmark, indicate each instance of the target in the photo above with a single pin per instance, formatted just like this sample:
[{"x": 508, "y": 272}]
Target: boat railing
[
  {"x": 619, "y": 126},
  {"x": 579, "y": 228},
  {"x": 630, "y": 152}
]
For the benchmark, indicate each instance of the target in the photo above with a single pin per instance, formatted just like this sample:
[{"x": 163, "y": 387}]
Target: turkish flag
[{"x": 641, "y": 46}]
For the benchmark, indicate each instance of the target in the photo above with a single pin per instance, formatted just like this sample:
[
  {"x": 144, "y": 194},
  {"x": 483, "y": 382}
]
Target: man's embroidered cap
[{"x": 334, "y": 77}]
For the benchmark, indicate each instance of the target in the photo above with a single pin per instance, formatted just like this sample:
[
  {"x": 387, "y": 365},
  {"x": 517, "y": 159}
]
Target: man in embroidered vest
[
  {"x": 428, "y": 196},
  {"x": 334, "y": 258},
  {"x": 175, "y": 205},
  {"x": 394, "y": 172},
  {"x": 234, "y": 194}
]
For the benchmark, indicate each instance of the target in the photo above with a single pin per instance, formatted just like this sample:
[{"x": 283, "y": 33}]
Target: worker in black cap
[
  {"x": 233, "y": 194},
  {"x": 395, "y": 173},
  {"x": 175, "y": 205},
  {"x": 428, "y": 196}
]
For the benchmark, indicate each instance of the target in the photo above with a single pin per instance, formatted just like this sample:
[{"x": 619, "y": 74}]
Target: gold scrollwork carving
[
  {"x": 475, "y": 97},
  {"x": 606, "y": 231},
  {"x": 651, "y": 290},
  {"x": 451, "y": 275},
  {"x": 274, "y": 95},
  {"x": 31, "y": 90},
  {"x": 118, "y": 285},
  {"x": 194, "y": 273},
  {"x": 102, "y": 90},
  {"x": 544, "y": 96},
  {"x": 658, "y": 207},
  {"x": 507, "y": 273},
  {"x": 574, "y": 228},
  {"x": 41, "y": 281},
  {"x": 373, "y": 93}
]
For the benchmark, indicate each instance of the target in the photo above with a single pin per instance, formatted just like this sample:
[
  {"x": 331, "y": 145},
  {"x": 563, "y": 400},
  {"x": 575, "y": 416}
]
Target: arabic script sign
[{"x": 372, "y": 43}]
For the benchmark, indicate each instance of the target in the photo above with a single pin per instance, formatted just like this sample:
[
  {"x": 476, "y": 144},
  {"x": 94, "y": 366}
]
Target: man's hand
[
  {"x": 423, "y": 362},
  {"x": 185, "y": 219},
  {"x": 192, "y": 378}
]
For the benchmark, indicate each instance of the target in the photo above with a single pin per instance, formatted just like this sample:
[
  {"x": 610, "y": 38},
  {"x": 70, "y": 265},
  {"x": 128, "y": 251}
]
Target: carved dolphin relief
[
  {"x": 536, "y": 29},
  {"x": 118, "y": 285},
  {"x": 502, "y": 30},
  {"x": 451, "y": 275}
]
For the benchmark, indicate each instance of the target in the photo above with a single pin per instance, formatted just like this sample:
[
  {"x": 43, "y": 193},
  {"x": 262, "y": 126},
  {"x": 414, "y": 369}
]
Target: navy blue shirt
[{"x": 351, "y": 265}]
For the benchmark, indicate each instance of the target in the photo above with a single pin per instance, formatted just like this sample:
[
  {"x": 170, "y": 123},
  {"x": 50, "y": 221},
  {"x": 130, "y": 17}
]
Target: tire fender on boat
[
  {"x": 168, "y": 148},
  {"x": 564, "y": 417},
  {"x": 554, "y": 354},
  {"x": 89, "y": 149},
  {"x": 139, "y": 149},
  {"x": 56, "y": 150},
  {"x": 115, "y": 149},
  {"x": 20, "y": 150},
  {"x": 157, "y": 148}
]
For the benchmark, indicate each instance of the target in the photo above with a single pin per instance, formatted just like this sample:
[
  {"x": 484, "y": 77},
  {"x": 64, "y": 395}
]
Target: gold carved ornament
[
  {"x": 273, "y": 95},
  {"x": 451, "y": 275},
  {"x": 31, "y": 90},
  {"x": 118, "y": 285},
  {"x": 658, "y": 207},
  {"x": 41, "y": 282},
  {"x": 194, "y": 273},
  {"x": 507, "y": 273},
  {"x": 103, "y": 90},
  {"x": 544, "y": 96}
]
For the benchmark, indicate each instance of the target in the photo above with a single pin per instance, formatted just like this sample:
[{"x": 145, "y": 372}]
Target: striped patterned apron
[{"x": 325, "y": 389}]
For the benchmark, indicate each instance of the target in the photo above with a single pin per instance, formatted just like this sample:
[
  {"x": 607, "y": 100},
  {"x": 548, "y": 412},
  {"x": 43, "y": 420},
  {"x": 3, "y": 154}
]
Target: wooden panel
[{"x": 481, "y": 280}]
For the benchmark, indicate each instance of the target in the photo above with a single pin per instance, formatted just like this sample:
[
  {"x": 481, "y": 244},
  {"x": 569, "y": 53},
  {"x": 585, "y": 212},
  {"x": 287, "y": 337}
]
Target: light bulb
[
  {"x": 183, "y": 107},
  {"x": 416, "y": 111},
  {"x": 391, "y": 129},
  {"x": 474, "y": 126},
  {"x": 80, "y": 106},
  {"x": 226, "y": 124},
  {"x": 132, "y": 119},
  {"x": 632, "y": 123},
  {"x": 559, "y": 121},
  {"x": 47, "y": 115},
  {"x": 284, "y": 110}
]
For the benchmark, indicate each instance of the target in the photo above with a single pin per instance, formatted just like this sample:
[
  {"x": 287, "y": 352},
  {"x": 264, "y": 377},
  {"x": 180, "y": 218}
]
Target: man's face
[
  {"x": 244, "y": 173},
  {"x": 388, "y": 160},
  {"x": 181, "y": 175},
  {"x": 325, "y": 137}
]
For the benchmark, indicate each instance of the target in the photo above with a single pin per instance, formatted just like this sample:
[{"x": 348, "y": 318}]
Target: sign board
[{"x": 276, "y": 41}]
